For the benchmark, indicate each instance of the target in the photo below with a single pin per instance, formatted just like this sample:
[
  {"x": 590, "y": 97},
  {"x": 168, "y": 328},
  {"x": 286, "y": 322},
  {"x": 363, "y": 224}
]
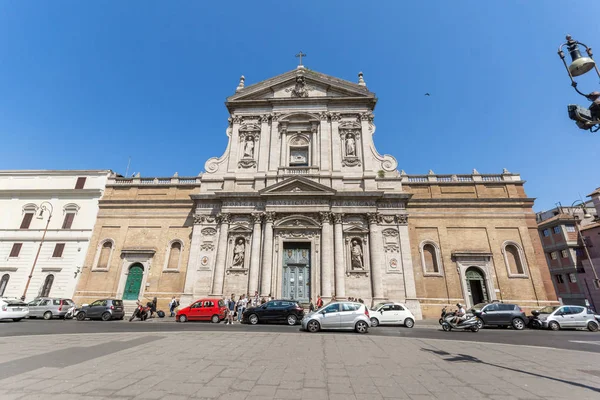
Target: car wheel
[
  {"x": 47, "y": 315},
  {"x": 292, "y": 320},
  {"x": 17, "y": 319},
  {"x": 479, "y": 323},
  {"x": 106, "y": 316},
  {"x": 475, "y": 328},
  {"x": 446, "y": 327},
  {"x": 409, "y": 322},
  {"x": 313, "y": 326},
  {"x": 253, "y": 319},
  {"x": 361, "y": 327},
  {"x": 554, "y": 325},
  {"x": 215, "y": 319},
  {"x": 182, "y": 318},
  {"x": 518, "y": 324},
  {"x": 80, "y": 316},
  {"x": 374, "y": 322},
  {"x": 592, "y": 326}
]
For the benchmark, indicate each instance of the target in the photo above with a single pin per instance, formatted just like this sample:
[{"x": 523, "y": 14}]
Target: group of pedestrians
[{"x": 236, "y": 308}]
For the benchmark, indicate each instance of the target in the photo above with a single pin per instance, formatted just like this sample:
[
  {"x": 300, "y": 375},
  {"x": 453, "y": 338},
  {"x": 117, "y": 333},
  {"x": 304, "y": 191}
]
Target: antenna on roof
[{"x": 127, "y": 169}]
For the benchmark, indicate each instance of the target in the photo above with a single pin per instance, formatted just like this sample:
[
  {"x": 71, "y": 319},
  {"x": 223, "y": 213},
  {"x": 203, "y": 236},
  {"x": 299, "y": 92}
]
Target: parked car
[
  {"x": 500, "y": 314},
  {"x": 105, "y": 309},
  {"x": 338, "y": 316},
  {"x": 13, "y": 309},
  {"x": 391, "y": 313},
  {"x": 278, "y": 311},
  {"x": 48, "y": 308},
  {"x": 213, "y": 310},
  {"x": 560, "y": 317}
]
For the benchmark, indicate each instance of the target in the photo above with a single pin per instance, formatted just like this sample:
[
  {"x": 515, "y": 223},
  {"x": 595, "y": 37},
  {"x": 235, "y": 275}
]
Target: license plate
[{"x": 17, "y": 309}]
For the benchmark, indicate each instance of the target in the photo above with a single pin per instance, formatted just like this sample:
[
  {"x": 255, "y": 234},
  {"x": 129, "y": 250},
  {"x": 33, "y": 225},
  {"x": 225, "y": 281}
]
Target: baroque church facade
[{"x": 301, "y": 204}]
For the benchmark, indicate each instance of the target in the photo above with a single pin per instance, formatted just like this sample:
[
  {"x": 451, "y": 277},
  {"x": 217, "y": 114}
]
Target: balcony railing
[{"x": 298, "y": 170}]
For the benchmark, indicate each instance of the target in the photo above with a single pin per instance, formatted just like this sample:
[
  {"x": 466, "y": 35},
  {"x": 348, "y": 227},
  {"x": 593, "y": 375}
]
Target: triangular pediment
[
  {"x": 311, "y": 85},
  {"x": 297, "y": 186}
]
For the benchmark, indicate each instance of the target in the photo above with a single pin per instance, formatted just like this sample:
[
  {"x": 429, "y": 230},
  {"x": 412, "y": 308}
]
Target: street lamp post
[
  {"x": 585, "y": 118},
  {"x": 45, "y": 206},
  {"x": 581, "y": 205}
]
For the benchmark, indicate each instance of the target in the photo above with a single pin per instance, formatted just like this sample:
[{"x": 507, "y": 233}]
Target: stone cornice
[{"x": 47, "y": 193}]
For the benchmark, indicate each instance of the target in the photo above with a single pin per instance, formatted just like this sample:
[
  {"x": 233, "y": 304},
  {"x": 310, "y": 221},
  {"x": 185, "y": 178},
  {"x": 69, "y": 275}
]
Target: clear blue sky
[{"x": 85, "y": 85}]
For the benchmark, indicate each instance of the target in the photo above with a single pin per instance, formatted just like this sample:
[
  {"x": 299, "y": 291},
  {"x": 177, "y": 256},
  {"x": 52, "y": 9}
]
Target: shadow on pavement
[{"x": 471, "y": 359}]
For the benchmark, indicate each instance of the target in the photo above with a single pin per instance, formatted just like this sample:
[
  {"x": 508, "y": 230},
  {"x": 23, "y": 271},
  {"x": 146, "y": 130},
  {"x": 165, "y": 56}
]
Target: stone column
[
  {"x": 219, "y": 275},
  {"x": 336, "y": 142},
  {"x": 235, "y": 143},
  {"x": 340, "y": 264},
  {"x": 376, "y": 251},
  {"x": 263, "y": 152},
  {"x": 273, "y": 155},
  {"x": 325, "y": 146},
  {"x": 255, "y": 253},
  {"x": 267, "y": 259},
  {"x": 326, "y": 255}
]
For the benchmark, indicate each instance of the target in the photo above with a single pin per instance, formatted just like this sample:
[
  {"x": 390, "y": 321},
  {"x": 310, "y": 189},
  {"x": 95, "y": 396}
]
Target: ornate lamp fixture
[{"x": 585, "y": 118}]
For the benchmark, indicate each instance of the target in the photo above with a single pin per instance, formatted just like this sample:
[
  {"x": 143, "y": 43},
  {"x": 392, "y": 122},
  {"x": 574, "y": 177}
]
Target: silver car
[
  {"x": 337, "y": 316},
  {"x": 48, "y": 308},
  {"x": 562, "y": 317}
]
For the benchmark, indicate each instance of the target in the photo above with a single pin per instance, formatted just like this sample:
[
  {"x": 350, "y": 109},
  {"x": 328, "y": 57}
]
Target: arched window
[
  {"x": 173, "y": 258},
  {"x": 514, "y": 259},
  {"x": 4, "y": 283},
  {"x": 45, "y": 292},
  {"x": 431, "y": 258},
  {"x": 104, "y": 254}
]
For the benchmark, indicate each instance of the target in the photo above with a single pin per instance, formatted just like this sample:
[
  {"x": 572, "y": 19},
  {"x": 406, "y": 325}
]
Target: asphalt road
[{"x": 568, "y": 339}]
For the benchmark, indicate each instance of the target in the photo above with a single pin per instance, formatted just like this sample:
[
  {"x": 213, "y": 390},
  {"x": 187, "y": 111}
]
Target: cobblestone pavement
[{"x": 252, "y": 366}]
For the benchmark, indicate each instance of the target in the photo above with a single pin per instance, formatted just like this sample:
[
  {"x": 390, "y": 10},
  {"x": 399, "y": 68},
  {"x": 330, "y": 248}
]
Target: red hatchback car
[{"x": 213, "y": 310}]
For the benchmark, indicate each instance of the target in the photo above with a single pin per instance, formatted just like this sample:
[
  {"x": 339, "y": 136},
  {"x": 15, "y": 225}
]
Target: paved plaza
[{"x": 252, "y": 366}]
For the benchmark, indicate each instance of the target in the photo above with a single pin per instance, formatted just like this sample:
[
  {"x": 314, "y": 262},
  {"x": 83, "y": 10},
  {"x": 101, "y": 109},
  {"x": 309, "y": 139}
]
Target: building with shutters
[
  {"x": 301, "y": 203},
  {"x": 71, "y": 197}
]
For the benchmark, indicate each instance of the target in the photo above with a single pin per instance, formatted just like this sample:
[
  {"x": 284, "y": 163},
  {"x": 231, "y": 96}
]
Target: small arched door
[
  {"x": 476, "y": 287},
  {"x": 47, "y": 286},
  {"x": 134, "y": 282}
]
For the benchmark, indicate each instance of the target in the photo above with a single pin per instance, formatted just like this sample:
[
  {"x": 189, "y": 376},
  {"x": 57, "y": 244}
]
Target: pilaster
[
  {"x": 365, "y": 139},
  {"x": 265, "y": 140},
  {"x": 325, "y": 148},
  {"x": 235, "y": 142},
  {"x": 376, "y": 251},
  {"x": 326, "y": 255},
  {"x": 274, "y": 146},
  {"x": 267, "y": 260},
  {"x": 340, "y": 265},
  {"x": 407, "y": 266},
  {"x": 219, "y": 275},
  {"x": 336, "y": 142},
  {"x": 255, "y": 253}
]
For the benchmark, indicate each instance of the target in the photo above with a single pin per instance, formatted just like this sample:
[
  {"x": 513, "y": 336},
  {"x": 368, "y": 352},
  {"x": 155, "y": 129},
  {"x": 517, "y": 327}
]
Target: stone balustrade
[{"x": 138, "y": 181}]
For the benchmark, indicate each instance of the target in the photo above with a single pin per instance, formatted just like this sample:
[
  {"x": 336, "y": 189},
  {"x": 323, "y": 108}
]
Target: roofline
[{"x": 22, "y": 172}]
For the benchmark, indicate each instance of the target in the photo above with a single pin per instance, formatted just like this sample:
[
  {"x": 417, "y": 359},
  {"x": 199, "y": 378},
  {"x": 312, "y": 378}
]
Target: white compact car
[
  {"x": 390, "y": 314},
  {"x": 13, "y": 309}
]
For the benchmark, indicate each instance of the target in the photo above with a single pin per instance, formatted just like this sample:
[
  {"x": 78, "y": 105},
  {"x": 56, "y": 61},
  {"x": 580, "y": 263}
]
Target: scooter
[
  {"x": 71, "y": 313},
  {"x": 140, "y": 312},
  {"x": 534, "y": 320},
  {"x": 469, "y": 324},
  {"x": 445, "y": 314}
]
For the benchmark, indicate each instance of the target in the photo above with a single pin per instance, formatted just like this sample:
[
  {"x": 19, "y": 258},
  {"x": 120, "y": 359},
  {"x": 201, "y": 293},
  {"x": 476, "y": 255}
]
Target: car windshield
[
  {"x": 374, "y": 308},
  {"x": 548, "y": 309},
  {"x": 479, "y": 306}
]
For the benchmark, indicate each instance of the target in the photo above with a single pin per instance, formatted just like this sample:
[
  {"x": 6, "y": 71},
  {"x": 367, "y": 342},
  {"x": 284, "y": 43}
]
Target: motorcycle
[
  {"x": 70, "y": 313},
  {"x": 445, "y": 314},
  {"x": 534, "y": 320},
  {"x": 140, "y": 312},
  {"x": 470, "y": 323}
]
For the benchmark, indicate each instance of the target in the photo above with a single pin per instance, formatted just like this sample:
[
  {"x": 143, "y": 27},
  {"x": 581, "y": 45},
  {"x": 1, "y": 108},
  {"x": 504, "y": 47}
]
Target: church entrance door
[
  {"x": 296, "y": 272},
  {"x": 134, "y": 282},
  {"x": 476, "y": 286}
]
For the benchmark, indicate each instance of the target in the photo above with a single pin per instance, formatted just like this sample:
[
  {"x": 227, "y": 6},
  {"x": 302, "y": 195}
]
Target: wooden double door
[{"x": 296, "y": 272}]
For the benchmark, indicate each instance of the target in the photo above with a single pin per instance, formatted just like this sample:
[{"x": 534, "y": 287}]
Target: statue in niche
[
  {"x": 356, "y": 255},
  {"x": 238, "y": 253},
  {"x": 350, "y": 146},
  {"x": 249, "y": 147}
]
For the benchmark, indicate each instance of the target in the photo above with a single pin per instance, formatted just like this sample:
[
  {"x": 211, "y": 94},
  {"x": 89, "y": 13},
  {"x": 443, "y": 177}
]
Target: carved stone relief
[{"x": 208, "y": 231}]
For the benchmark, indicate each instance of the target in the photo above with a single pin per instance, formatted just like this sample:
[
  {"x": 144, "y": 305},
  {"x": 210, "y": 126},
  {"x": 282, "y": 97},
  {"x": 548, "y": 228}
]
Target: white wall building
[{"x": 73, "y": 197}]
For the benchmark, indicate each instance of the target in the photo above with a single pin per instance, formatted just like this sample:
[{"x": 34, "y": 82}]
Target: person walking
[
  {"x": 255, "y": 299},
  {"x": 231, "y": 309},
  {"x": 173, "y": 305},
  {"x": 241, "y": 306},
  {"x": 311, "y": 306},
  {"x": 319, "y": 302}
]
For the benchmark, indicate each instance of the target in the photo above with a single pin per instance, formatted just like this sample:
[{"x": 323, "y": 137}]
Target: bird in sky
[{"x": 427, "y": 94}]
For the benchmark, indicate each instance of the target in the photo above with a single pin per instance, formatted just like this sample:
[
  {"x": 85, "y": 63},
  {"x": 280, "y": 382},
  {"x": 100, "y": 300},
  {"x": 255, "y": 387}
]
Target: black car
[
  {"x": 105, "y": 309},
  {"x": 278, "y": 311},
  {"x": 500, "y": 314}
]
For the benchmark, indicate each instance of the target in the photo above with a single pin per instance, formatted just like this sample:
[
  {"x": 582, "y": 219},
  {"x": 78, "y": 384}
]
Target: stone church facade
[{"x": 302, "y": 204}]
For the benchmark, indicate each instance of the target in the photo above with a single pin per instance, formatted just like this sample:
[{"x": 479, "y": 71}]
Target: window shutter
[
  {"x": 16, "y": 249},
  {"x": 58, "y": 250},
  {"x": 80, "y": 183},
  {"x": 68, "y": 221},
  {"x": 26, "y": 221}
]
